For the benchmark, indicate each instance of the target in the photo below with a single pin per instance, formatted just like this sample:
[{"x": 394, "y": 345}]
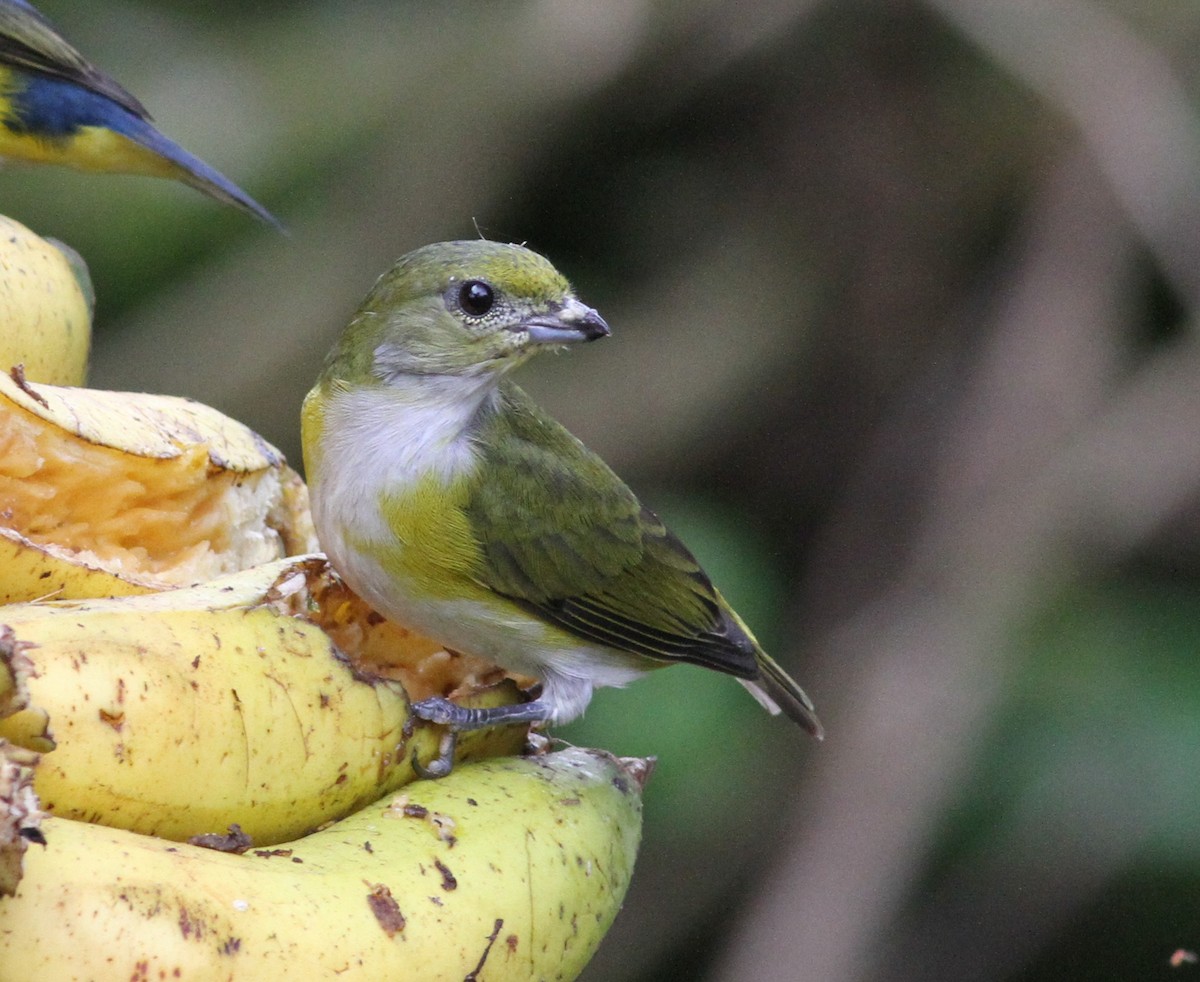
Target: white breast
[
  {"x": 379, "y": 441},
  {"x": 383, "y": 440}
]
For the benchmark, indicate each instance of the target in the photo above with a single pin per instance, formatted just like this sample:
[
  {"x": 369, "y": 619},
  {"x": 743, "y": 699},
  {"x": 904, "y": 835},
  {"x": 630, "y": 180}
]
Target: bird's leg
[
  {"x": 456, "y": 718},
  {"x": 439, "y": 710}
]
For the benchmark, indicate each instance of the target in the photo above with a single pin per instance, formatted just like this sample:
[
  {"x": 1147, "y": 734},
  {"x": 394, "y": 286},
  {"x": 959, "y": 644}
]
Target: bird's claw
[{"x": 442, "y": 764}]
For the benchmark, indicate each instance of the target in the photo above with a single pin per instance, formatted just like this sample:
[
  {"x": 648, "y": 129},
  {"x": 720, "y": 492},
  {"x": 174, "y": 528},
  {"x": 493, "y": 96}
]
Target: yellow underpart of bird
[
  {"x": 90, "y": 148},
  {"x": 114, "y": 493}
]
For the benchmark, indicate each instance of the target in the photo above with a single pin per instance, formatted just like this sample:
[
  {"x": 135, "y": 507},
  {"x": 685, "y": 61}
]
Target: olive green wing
[{"x": 561, "y": 535}]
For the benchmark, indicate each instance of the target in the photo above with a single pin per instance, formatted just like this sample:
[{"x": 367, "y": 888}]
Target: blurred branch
[
  {"x": 1047, "y": 459},
  {"x": 443, "y": 147},
  {"x": 1140, "y": 460},
  {"x": 923, "y": 665},
  {"x": 1125, "y": 99},
  {"x": 1134, "y": 466}
]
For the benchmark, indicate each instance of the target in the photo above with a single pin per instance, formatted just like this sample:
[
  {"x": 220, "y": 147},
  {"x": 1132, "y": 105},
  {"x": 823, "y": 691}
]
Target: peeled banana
[
  {"x": 511, "y": 869},
  {"x": 113, "y": 493},
  {"x": 46, "y": 299}
]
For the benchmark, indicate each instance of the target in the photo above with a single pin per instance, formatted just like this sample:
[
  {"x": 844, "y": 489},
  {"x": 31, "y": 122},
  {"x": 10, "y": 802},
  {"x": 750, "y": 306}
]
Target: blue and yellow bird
[{"x": 58, "y": 108}]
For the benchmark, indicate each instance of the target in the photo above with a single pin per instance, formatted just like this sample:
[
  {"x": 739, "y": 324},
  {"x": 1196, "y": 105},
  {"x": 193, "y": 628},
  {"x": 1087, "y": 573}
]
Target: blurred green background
[{"x": 903, "y": 299}]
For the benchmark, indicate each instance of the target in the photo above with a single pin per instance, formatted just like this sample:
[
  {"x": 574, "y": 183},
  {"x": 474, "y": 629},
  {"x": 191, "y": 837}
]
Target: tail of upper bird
[{"x": 194, "y": 172}]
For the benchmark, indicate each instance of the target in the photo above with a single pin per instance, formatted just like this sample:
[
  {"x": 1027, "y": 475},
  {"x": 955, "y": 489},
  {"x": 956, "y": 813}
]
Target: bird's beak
[{"x": 572, "y": 322}]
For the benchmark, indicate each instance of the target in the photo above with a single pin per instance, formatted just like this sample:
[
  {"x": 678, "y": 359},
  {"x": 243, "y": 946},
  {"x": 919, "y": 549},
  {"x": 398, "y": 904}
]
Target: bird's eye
[{"x": 476, "y": 298}]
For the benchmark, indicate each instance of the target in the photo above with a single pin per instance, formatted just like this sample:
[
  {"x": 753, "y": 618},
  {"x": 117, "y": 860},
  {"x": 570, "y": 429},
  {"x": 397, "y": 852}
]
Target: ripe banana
[
  {"x": 113, "y": 493},
  {"x": 234, "y": 680},
  {"x": 46, "y": 297},
  {"x": 508, "y": 869}
]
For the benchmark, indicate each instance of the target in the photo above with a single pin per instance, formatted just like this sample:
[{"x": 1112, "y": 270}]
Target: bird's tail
[
  {"x": 774, "y": 689},
  {"x": 777, "y": 691},
  {"x": 193, "y": 171}
]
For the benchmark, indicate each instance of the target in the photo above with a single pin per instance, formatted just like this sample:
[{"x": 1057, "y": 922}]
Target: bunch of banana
[{"x": 206, "y": 697}]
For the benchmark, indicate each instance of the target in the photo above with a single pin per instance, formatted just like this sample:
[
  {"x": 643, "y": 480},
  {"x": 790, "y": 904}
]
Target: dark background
[{"x": 902, "y": 298}]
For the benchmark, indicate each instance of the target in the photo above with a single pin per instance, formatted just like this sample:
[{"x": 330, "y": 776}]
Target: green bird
[
  {"x": 58, "y": 108},
  {"x": 454, "y": 505}
]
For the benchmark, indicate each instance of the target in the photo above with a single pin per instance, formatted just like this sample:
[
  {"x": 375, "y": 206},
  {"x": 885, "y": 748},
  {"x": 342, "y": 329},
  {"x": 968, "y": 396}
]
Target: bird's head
[{"x": 462, "y": 308}]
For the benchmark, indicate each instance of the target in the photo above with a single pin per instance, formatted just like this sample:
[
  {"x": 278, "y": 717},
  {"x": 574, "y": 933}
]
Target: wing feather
[{"x": 562, "y": 536}]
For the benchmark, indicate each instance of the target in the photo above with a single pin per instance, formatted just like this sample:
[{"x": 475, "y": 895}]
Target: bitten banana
[
  {"x": 179, "y": 713},
  {"x": 112, "y": 493},
  {"x": 46, "y": 299},
  {"x": 508, "y": 869}
]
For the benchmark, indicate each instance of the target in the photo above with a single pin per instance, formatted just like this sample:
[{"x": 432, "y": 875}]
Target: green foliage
[
  {"x": 1099, "y": 732},
  {"x": 1084, "y": 790}
]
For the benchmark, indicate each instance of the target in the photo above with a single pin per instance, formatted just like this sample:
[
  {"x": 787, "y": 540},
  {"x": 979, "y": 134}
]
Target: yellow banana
[
  {"x": 46, "y": 297},
  {"x": 113, "y": 493},
  {"x": 182, "y": 712},
  {"x": 508, "y": 869}
]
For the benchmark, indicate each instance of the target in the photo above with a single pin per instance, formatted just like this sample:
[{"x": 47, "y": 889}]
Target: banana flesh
[{"x": 115, "y": 493}]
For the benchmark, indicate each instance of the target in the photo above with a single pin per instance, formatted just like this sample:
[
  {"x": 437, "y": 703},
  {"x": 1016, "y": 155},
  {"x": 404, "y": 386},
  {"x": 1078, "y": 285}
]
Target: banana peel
[
  {"x": 117, "y": 493},
  {"x": 15, "y": 669},
  {"x": 46, "y": 298},
  {"x": 20, "y": 812},
  {"x": 507, "y": 869},
  {"x": 236, "y": 680}
]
